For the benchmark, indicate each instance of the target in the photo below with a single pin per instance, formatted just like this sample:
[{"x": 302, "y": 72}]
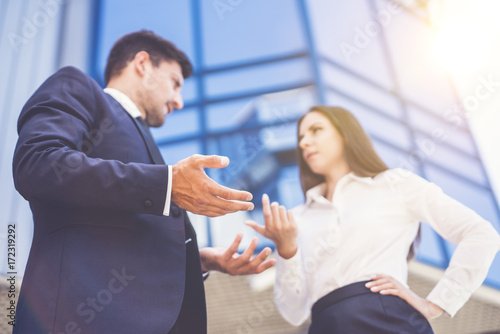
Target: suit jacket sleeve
[{"x": 50, "y": 162}]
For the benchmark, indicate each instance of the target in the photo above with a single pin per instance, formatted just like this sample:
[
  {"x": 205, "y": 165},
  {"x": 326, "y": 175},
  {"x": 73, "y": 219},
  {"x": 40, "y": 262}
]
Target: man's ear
[{"x": 141, "y": 62}]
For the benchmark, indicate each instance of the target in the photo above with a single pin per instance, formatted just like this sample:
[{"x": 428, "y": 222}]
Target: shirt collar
[
  {"x": 317, "y": 193},
  {"x": 124, "y": 101}
]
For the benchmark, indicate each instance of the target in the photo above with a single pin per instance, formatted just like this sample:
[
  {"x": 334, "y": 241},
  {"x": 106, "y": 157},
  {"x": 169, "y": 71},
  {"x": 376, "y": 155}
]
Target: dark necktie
[{"x": 152, "y": 147}]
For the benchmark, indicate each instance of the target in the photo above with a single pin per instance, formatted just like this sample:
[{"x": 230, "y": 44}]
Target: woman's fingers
[
  {"x": 266, "y": 209},
  {"x": 283, "y": 217},
  {"x": 275, "y": 207},
  {"x": 257, "y": 227}
]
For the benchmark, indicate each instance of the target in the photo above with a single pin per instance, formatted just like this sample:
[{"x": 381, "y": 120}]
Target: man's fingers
[
  {"x": 247, "y": 254},
  {"x": 230, "y": 194},
  {"x": 264, "y": 266},
  {"x": 228, "y": 254},
  {"x": 205, "y": 202},
  {"x": 205, "y": 210},
  {"x": 211, "y": 161},
  {"x": 251, "y": 265}
]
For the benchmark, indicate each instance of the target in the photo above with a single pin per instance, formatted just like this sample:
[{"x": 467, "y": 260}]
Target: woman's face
[{"x": 321, "y": 144}]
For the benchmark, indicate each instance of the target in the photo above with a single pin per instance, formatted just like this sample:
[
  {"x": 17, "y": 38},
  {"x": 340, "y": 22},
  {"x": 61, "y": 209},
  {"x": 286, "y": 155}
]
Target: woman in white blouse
[{"x": 342, "y": 255}]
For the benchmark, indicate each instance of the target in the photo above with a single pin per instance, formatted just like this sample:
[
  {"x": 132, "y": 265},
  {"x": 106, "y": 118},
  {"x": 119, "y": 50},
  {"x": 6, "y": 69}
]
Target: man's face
[{"x": 162, "y": 91}]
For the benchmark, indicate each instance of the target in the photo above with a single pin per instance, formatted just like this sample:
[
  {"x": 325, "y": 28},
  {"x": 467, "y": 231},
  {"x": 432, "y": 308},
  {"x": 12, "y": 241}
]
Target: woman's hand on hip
[
  {"x": 279, "y": 226},
  {"x": 387, "y": 285}
]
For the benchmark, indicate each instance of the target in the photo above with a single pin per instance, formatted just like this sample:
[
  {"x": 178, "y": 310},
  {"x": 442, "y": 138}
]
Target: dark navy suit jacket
[{"x": 104, "y": 259}]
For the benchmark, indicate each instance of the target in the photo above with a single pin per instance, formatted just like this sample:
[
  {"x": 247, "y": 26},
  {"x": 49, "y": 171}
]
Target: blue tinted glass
[
  {"x": 394, "y": 158},
  {"x": 169, "y": 19},
  {"x": 270, "y": 76},
  {"x": 376, "y": 125},
  {"x": 179, "y": 123},
  {"x": 431, "y": 150},
  {"x": 289, "y": 189},
  {"x": 421, "y": 78},
  {"x": 236, "y": 31},
  {"x": 478, "y": 199},
  {"x": 429, "y": 249},
  {"x": 493, "y": 277},
  {"x": 451, "y": 132},
  {"x": 225, "y": 228},
  {"x": 189, "y": 90},
  {"x": 360, "y": 89},
  {"x": 340, "y": 34},
  {"x": 201, "y": 227},
  {"x": 175, "y": 152},
  {"x": 229, "y": 114}
]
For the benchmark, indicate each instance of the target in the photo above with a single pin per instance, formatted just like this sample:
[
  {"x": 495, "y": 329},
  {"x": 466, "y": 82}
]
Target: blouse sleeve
[
  {"x": 476, "y": 239},
  {"x": 290, "y": 290}
]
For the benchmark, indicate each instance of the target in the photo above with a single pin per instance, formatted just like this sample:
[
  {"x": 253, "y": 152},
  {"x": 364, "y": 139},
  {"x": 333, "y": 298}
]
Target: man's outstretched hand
[
  {"x": 194, "y": 191},
  {"x": 230, "y": 262}
]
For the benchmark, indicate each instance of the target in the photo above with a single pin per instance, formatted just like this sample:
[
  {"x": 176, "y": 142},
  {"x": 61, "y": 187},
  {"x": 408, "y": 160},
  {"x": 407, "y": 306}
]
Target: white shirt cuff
[
  {"x": 166, "y": 209},
  {"x": 449, "y": 295}
]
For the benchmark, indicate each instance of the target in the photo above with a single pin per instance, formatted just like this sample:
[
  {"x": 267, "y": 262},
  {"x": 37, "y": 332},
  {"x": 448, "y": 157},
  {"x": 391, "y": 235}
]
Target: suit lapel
[{"x": 153, "y": 150}]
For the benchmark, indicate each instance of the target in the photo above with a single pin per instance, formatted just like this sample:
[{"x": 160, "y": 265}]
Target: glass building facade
[{"x": 259, "y": 65}]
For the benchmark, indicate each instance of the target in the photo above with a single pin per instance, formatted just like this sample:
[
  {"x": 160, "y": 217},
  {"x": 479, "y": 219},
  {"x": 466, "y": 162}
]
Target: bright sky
[{"x": 468, "y": 46}]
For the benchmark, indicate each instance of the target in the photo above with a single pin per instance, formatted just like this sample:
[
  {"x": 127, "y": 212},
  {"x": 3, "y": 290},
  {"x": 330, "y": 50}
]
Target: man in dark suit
[{"x": 113, "y": 249}]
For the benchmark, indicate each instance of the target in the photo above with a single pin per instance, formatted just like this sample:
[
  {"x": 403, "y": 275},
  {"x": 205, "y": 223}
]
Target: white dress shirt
[
  {"x": 132, "y": 109},
  {"x": 368, "y": 228}
]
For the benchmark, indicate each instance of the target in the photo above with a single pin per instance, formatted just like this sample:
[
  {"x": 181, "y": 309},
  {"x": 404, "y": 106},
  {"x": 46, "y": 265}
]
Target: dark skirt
[{"x": 355, "y": 309}]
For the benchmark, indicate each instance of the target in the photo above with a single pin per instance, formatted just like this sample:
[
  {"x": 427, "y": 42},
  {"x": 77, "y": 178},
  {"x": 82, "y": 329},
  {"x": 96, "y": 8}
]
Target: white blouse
[{"x": 368, "y": 229}]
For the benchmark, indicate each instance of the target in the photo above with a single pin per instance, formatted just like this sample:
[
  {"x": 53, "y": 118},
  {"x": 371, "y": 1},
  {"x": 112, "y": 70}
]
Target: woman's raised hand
[{"x": 279, "y": 226}]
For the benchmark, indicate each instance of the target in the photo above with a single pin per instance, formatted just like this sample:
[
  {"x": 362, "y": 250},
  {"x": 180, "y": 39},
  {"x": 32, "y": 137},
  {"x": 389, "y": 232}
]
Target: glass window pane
[
  {"x": 289, "y": 189},
  {"x": 431, "y": 150},
  {"x": 441, "y": 131},
  {"x": 179, "y": 123},
  {"x": 232, "y": 114},
  {"x": 376, "y": 125},
  {"x": 478, "y": 199},
  {"x": 119, "y": 17},
  {"x": 429, "y": 249},
  {"x": 393, "y": 157},
  {"x": 493, "y": 277},
  {"x": 200, "y": 225},
  {"x": 376, "y": 97},
  {"x": 268, "y": 76},
  {"x": 190, "y": 90},
  {"x": 235, "y": 31},
  {"x": 421, "y": 78},
  {"x": 224, "y": 229},
  {"x": 174, "y": 153},
  {"x": 340, "y": 35}
]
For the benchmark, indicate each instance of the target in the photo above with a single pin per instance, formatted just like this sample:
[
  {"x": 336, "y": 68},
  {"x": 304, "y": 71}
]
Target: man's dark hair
[{"x": 158, "y": 48}]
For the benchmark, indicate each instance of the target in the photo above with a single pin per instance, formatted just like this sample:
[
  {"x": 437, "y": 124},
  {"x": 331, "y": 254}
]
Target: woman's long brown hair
[{"x": 359, "y": 153}]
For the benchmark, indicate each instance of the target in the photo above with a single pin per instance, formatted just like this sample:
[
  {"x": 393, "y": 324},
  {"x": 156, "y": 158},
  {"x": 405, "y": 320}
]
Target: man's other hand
[{"x": 230, "y": 262}]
